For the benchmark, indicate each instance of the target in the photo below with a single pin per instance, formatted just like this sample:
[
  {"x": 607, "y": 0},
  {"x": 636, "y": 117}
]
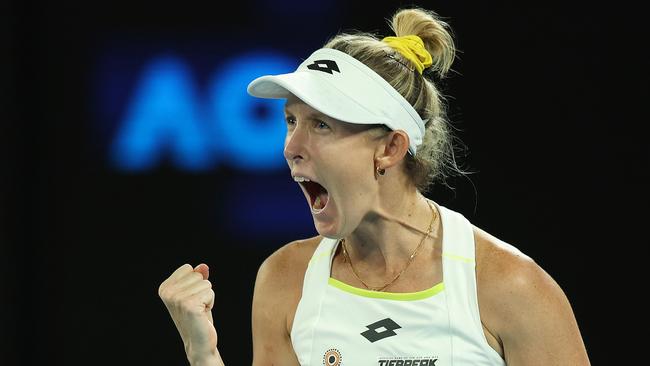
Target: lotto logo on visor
[
  {"x": 327, "y": 66},
  {"x": 345, "y": 89}
]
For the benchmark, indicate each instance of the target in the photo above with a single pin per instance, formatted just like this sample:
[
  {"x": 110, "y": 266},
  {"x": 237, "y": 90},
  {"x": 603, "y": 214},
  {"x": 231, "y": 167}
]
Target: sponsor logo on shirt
[
  {"x": 332, "y": 357},
  {"x": 380, "y": 329},
  {"x": 407, "y": 361}
]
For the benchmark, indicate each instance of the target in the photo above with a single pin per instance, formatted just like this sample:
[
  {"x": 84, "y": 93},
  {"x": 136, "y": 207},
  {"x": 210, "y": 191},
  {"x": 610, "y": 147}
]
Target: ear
[{"x": 392, "y": 149}]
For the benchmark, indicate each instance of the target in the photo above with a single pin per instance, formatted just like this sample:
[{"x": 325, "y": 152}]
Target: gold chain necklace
[{"x": 381, "y": 288}]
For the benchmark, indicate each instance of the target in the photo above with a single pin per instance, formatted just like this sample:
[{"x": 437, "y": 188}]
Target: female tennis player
[{"x": 393, "y": 278}]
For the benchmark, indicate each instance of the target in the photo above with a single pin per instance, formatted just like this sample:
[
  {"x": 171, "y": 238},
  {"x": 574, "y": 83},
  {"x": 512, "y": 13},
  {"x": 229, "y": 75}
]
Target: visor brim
[{"x": 316, "y": 92}]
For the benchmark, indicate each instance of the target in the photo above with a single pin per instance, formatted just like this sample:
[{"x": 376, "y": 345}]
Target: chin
[
  {"x": 328, "y": 232},
  {"x": 332, "y": 232},
  {"x": 335, "y": 237}
]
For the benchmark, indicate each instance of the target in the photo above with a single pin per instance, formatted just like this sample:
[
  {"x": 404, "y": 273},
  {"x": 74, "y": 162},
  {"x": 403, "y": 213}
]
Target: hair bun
[{"x": 434, "y": 33}]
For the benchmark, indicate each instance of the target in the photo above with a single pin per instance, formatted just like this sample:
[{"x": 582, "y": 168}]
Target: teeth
[{"x": 301, "y": 179}]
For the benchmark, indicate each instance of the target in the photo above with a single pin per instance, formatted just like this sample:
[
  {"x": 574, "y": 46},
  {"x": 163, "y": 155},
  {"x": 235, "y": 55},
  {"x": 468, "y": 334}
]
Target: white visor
[{"x": 341, "y": 87}]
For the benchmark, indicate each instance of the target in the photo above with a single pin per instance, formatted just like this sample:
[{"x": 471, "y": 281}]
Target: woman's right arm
[
  {"x": 273, "y": 298},
  {"x": 188, "y": 296}
]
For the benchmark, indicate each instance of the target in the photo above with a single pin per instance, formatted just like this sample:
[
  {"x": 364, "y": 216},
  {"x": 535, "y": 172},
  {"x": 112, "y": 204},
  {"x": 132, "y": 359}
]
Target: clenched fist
[{"x": 189, "y": 298}]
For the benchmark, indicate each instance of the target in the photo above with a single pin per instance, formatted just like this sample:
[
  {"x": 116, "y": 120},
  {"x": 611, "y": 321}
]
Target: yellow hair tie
[{"x": 412, "y": 48}]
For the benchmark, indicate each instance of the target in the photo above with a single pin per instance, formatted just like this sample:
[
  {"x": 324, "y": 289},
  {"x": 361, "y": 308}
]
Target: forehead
[{"x": 295, "y": 105}]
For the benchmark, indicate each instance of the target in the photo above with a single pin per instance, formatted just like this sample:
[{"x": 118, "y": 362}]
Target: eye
[
  {"x": 290, "y": 120},
  {"x": 321, "y": 125}
]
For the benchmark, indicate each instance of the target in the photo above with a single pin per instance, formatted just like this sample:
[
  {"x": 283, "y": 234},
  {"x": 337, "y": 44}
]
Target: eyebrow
[{"x": 311, "y": 115}]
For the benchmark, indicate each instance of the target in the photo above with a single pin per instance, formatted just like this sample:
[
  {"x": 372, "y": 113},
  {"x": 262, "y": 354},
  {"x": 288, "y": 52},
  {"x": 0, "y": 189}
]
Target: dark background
[{"x": 547, "y": 97}]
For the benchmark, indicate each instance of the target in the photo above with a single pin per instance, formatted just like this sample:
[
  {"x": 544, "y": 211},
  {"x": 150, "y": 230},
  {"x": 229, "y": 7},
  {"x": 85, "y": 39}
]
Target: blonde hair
[{"x": 435, "y": 158}]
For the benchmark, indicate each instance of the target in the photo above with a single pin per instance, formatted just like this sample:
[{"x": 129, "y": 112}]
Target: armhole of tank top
[
  {"x": 491, "y": 352},
  {"x": 299, "y": 315},
  {"x": 473, "y": 287},
  {"x": 466, "y": 258}
]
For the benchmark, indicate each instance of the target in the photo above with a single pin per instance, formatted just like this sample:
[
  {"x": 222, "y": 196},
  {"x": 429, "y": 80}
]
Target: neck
[{"x": 390, "y": 233}]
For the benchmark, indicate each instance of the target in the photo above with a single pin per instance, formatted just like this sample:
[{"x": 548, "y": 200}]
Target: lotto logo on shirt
[{"x": 407, "y": 361}]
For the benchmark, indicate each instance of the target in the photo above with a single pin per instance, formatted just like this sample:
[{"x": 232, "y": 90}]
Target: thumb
[{"x": 203, "y": 269}]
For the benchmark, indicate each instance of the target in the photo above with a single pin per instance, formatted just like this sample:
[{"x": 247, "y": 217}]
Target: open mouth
[{"x": 318, "y": 195}]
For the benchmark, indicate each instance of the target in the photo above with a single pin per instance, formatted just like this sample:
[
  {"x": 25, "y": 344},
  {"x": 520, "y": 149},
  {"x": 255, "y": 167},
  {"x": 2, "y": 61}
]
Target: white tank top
[{"x": 340, "y": 325}]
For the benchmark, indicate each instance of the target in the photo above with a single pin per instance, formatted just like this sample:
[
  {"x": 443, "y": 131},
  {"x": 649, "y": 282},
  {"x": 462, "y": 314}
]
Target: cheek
[
  {"x": 349, "y": 161},
  {"x": 357, "y": 176}
]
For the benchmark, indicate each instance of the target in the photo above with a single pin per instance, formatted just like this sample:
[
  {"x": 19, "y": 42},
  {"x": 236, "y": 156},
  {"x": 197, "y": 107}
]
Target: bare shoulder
[
  {"x": 289, "y": 262},
  {"x": 278, "y": 288},
  {"x": 280, "y": 277},
  {"x": 524, "y": 307},
  {"x": 500, "y": 265},
  {"x": 509, "y": 279}
]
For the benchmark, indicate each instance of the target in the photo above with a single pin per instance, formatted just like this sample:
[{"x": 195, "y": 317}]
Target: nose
[{"x": 294, "y": 144}]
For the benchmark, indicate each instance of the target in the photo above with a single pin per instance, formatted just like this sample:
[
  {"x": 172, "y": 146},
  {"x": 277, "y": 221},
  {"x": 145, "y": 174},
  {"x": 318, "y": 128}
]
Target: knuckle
[
  {"x": 176, "y": 299},
  {"x": 165, "y": 292},
  {"x": 186, "y": 303}
]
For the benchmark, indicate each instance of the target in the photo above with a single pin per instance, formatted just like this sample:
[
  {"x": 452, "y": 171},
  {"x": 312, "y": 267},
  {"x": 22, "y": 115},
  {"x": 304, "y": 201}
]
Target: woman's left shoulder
[
  {"x": 506, "y": 273},
  {"x": 523, "y": 306}
]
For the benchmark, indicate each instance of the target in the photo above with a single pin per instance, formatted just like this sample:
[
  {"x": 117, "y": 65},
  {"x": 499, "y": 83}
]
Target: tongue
[{"x": 320, "y": 201}]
